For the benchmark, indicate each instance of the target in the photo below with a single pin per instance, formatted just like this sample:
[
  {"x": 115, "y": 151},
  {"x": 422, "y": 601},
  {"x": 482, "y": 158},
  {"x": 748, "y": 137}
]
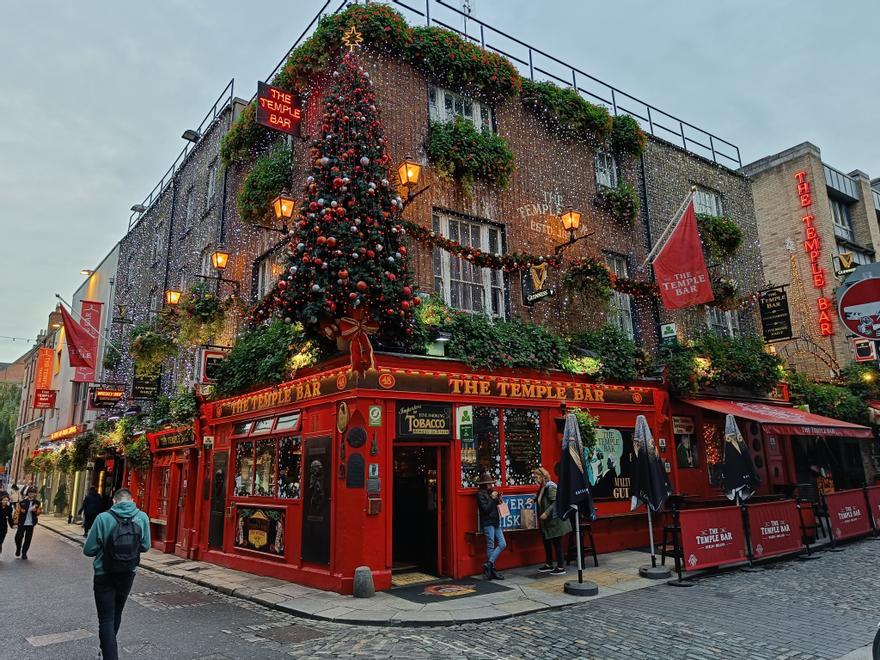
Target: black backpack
[{"x": 122, "y": 549}]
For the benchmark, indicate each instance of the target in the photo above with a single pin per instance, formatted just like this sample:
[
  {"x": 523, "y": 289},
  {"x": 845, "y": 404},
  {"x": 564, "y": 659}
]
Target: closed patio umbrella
[
  {"x": 738, "y": 475},
  {"x": 649, "y": 484}
]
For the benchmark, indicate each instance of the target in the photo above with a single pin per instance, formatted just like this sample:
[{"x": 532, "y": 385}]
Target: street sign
[
  {"x": 859, "y": 306},
  {"x": 775, "y": 315}
]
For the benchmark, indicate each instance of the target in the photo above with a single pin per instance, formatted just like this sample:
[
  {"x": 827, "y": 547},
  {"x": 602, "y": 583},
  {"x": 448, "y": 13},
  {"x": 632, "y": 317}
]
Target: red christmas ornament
[
  {"x": 362, "y": 286},
  {"x": 343, "y": 274}
]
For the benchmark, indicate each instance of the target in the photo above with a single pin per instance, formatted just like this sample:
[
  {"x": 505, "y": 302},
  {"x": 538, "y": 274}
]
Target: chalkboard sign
[{"x": 354, "y": 475}]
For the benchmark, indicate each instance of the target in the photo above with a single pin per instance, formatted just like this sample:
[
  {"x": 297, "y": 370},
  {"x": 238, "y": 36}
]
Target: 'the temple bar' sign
[{"x": 278, "y": 109}]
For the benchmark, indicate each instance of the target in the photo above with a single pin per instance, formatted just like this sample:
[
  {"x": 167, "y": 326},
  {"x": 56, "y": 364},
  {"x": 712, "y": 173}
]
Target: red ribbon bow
[{"x": 357, "y": 330}]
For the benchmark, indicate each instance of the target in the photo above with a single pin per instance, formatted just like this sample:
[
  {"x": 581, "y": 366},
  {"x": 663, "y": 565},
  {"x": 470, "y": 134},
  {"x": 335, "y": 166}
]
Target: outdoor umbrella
[
  {"x": 648, "y": 482},
  {"x": 738, "y": 476},
  {"x": 573, "y": 494}
]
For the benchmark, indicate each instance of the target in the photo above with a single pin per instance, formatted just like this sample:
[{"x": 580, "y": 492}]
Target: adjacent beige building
[{"x": 815, "y": 225}]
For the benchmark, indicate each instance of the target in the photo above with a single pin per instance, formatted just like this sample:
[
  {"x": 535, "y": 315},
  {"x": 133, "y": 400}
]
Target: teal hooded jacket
[{"x": 104, "y": 524}]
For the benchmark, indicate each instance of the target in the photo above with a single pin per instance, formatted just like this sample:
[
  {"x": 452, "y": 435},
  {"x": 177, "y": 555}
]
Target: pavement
[
  {"x": 827, "y": 608},
  {"x": 524, "y": 590}
]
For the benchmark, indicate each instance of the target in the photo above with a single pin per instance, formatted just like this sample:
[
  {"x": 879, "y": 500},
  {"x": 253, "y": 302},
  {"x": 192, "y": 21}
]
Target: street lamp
[
  {"x": 219, "y": 259},
  {"x": 172, "y": 296},
  {"x": 409, "y": 172},
  {"x": 191, "y": 136},
  {"x": 571, "y": 220},
  {"x": 86, "y": 272}
]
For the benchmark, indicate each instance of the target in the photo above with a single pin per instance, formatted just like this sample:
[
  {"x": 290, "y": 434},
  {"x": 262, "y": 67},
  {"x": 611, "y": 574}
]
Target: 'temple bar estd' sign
[{"x": 278, "y": 109}]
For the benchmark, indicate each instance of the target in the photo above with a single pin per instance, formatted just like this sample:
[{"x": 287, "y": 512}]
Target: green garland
[
  {"x": 458, "y": 150},
  {"x": 622, "y": 202},
  {"x": 566, "y": 112},
  {"x": 619, "y": 356},
  {"x": 591, "y": 279},
  {"x": 721, "y": 236},
  {"x": 201, "y": 315},
  {"x": 245, "y": 138},
  {"x": 627, "y": 137},
  {"x": 151, "y": 344},
  {"x": 271, "y": 173}
]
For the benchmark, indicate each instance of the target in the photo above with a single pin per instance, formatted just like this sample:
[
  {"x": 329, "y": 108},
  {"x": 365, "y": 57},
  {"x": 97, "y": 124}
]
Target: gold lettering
[
  {"x": 470, "y": 387},
  {"x": 502, "y": 388},
  {"x": 455, "y": 384},
  {"x": 598, "y": 395},
  {"x": 578, "y": 393},
  {"x": 484, "y": 387}
]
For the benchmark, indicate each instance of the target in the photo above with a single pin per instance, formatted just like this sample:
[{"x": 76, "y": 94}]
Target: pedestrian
[
  {"x": 25, "y": 517},
  {"x": 5, "y": 516},
  {"x": 14, "y": 494},
  {"x": 92, "y": 505},
  {"x": 116, "y": 540},
  {"x": 553, "y": 528},
  {"x": 488, "y": 500}
]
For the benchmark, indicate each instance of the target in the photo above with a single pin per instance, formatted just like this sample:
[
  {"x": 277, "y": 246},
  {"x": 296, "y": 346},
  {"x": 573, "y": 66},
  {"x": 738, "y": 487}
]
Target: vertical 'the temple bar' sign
[{"x": 278, "y": 109}]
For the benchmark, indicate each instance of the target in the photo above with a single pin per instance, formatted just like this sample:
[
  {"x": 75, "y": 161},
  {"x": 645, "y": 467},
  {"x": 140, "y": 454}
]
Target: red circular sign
[
  {"x": 859, "y": 308},
  {"x": 386, "y": 380}
]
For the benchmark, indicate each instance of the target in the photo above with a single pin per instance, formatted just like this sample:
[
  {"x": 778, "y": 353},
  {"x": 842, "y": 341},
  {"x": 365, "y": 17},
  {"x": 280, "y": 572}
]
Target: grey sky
[{"x": 94, "y": 95}]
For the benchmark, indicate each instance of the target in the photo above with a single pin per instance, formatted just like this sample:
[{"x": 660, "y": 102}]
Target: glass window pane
[
  {"x": 289, "y": 467},
  {"x": 264, "y": 482},
  {"x": 241, "y": 428},
  {"x": 244, "y": 469},
  {"x": 263, "y": 425},
  {"x": 522, "y": 445},
  {"x": 487, "y": 445},
  {"x": 288, "y": 422}
]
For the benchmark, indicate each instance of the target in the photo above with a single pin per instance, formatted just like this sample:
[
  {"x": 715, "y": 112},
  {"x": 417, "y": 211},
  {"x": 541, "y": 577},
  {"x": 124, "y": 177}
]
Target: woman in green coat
[{"x": 552, "y": 526}]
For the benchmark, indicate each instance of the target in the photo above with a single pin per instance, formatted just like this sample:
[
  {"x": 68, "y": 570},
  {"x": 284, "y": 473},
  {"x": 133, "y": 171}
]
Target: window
[
  {"x": 620, "y": 305},
  {"x": 189, "y": 209},
  {"x": 463, "y": 285},
  {"x": 268, "y": 271},
  {"x": 212, "y": 181},
  {"x": 157, "y": 242},
  {"x": 183, "y": 279},
  {"x": 486, "y": 452},
  {"x": 606, "y": 170},
  {"x": 722, "y": 323},
  {"x": 206, "y": 267},
  {"x": 162, "y": 500},
  {"x": 842, "y": 218},
  {"x": 444, "y": 105},
  {"x": 522, "y": 445},
  {"x": 708, "y": 202},
  {"x": 268, "y": 467}
]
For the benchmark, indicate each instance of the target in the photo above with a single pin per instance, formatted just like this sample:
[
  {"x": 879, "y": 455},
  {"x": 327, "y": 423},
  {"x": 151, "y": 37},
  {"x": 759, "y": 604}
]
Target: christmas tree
[{"x": 348, "y": 269}]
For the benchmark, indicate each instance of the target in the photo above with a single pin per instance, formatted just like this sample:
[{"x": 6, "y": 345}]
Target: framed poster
[{"x": 260, "y": 529}]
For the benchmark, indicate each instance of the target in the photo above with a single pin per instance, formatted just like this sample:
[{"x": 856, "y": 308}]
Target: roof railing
[{"x": 208, "y": 120}]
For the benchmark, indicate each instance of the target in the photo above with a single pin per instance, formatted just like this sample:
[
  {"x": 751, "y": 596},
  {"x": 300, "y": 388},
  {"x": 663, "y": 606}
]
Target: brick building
[{"x": 816, "y": 224}]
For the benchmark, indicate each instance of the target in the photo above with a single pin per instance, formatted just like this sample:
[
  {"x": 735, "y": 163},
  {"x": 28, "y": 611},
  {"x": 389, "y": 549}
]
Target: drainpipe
[{"x": 649, "y": 241}]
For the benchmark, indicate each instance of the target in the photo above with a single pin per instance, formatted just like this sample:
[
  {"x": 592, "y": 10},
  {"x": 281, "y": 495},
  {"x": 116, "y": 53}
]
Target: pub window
[
  {"x": 262, "y": 425},
  {"x": 444, "y": 105},
  {"x": 189, "y": 209},
  {"x": 157, "y": 242},
  {"x": 287, "y": 422},
  {"x": 463, "y": 285},
  {"x": 212, "y": 181},
  {"x": 522, "y": 445},
  {"x": 723, "y": 323},
  {"x": 162, "y": 503},
  {"x": 708, "y": 202},
  {"x": 289, "y": 466},
  {"x": 620, "y": 306},
  {"x": 241, "y": 428},
  {"x": 842, "y": 218},
  {"x": 264, "y": 481},
  {"x": 244, "y": 469},
  {"x": 606, "y": 169},
  {"x": 268, "y": 272},
  {"x": 486, "y": 453}
]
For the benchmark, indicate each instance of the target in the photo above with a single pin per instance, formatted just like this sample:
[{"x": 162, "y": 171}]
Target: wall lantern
[
  {"x": 283, "y": 206},
  {"x": 219, "y": 259},
  {"x": 571, "y": 220},
  {"x": 409, "y": 172},
  {"x": 172, "y": 296}
]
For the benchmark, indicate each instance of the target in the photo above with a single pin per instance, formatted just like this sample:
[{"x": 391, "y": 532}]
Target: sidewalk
[{"x": 524, "y": 590}]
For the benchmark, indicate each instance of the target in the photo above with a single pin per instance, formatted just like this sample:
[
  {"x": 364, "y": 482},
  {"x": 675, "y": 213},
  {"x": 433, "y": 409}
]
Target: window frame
[
  {"x": 841, "y": 219},
  {"x": 494, "y": 283},
  {"x": 255, "y": 438},
  {"x": 501, "y": 430},
  {"x": 482, "y": 114},
  {"x": 189, "y": 209},
  {"x": 620, "y": 308},
  {"x": 211, "y": 188},
  {"x": 259, "y": 276},
  {"x": 708, "y": 202},
  {"x": 725, "y": 322},
  {"x": 605, "y": 177}
]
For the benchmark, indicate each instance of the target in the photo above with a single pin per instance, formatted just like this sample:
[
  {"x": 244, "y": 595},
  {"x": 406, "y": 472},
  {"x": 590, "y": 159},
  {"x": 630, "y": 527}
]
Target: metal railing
[
  {"x": 210, "y": 117},
  {"x": 539, "y": 65}
]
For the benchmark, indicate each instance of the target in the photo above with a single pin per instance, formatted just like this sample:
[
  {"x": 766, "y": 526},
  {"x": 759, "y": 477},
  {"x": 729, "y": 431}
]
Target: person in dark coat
[
  {"x": 553, "y": 528},
  {"x": 28, "y": 512},
  {"x": 5, "y": 516},
  {"x": 92, "y": 505},
  {"x": 488, "y": 500}
]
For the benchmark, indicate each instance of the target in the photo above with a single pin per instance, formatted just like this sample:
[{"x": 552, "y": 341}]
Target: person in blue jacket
[{"x": 116, "y": 556}]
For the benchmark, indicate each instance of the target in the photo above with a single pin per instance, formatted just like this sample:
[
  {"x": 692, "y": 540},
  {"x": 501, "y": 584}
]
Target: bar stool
[
  {"x": 672, "y": 531},
  {"x": 588, "y": 544}
]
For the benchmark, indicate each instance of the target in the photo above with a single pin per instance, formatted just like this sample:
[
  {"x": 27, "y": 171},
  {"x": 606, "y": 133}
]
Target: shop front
[
  {"x": 794, "y": 451},
  {"x": 169, "y": 489},
  {"x": 310, "y": 479}
]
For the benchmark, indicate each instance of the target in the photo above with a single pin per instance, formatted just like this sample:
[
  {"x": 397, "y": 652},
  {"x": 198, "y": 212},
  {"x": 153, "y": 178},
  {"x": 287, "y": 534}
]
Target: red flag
[
  {"x": 78, "y": 342},
  {"x": 680, "y": 268},
  {"x": 90, "y": 313}
]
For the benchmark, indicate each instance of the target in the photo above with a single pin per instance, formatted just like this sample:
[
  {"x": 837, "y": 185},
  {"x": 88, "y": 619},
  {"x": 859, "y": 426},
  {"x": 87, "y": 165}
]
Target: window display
[
  {"x": 289, "y": 467},
  {"x": 269, "y": 467},
  {"x": 522, "y": 445},
  {"x": 264, "y": 482},
  {"x": 487, "y": 443},
  {"x": 244, "y": 469}
]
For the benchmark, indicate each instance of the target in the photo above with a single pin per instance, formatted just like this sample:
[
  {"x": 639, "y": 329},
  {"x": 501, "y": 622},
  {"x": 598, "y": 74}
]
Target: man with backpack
[{"x": 116, "y": 540}]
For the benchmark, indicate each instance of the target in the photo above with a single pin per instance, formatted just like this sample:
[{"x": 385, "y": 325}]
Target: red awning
[{"x": 783, "y": 419}]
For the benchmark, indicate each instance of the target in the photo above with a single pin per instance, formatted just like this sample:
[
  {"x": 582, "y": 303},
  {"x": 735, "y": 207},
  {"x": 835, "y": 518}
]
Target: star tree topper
[{"x": 352, "y": 38}]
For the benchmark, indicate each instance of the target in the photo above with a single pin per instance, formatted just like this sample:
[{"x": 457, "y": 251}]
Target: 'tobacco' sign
[{"x": 278, "y": 109}]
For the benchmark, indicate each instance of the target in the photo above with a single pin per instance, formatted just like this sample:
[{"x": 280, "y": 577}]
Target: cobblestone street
[{"x": 818, "y": 609}]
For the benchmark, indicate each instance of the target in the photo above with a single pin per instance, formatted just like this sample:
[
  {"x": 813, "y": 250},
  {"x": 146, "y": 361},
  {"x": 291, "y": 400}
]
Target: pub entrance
[{"x": 418, "y": 510}]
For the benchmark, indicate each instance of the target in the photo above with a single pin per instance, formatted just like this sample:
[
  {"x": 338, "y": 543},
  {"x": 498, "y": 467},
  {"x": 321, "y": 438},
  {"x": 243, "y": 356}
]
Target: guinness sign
[{"x": 533, "y": 281}]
